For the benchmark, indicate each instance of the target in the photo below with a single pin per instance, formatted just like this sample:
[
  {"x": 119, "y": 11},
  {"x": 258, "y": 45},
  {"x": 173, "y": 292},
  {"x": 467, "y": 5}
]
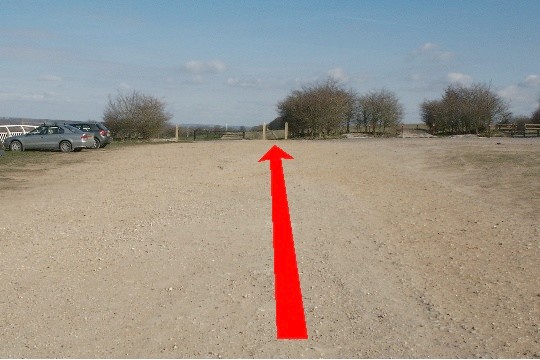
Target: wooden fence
[
  {"x": 263, "y": 134},
  {"x": 519, "y": 130}
]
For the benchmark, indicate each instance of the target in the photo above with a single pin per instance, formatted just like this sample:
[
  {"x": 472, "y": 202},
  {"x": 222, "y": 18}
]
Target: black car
[{"x": 102, "y": 135}]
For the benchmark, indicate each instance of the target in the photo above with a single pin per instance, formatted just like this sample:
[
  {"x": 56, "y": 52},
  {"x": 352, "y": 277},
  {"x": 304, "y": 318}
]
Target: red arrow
[{"x": 290, "y": 317}]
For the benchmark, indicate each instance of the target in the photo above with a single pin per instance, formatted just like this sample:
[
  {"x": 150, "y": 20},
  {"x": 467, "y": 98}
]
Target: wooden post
[
  {"x": 176, "y": 135},
  {"x": 264, "y": 131},
  {"x": 286, "y": 130}
]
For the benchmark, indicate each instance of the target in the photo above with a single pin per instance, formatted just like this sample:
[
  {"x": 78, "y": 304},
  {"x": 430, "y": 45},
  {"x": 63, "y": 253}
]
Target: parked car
[
  {"x": 51, "y": 137},
  {"x": 102, "y": 135}
]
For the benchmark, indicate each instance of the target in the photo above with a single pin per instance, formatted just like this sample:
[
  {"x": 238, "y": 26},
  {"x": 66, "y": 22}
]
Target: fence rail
[
  {"x": 203, "y": 134},
  {"x": 534, "y": 128},
  {"x": 519, "y": 129},
  {"x": 14, "y": 130}
]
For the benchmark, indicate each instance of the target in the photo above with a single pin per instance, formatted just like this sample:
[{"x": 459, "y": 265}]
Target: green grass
[
  {"x": 25, "y": 158},
  {"x": 13, "y": 164},
  {"x": 21, "y": 159},
  {"x": 119, "y": 144}
]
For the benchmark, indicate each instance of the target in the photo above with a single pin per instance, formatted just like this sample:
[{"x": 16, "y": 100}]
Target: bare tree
[
  {"x": 535, "y": 117},
  {"x": 135, "y": 115},
  {"x": 520, "y": 121},
  {"x": 319, "y": 109},
  {"x": 465, "y": 109},
  {"x": 430, "y": 112},
  {"x": 379, "y": 109},
  {"x": 277, "y": 124}
]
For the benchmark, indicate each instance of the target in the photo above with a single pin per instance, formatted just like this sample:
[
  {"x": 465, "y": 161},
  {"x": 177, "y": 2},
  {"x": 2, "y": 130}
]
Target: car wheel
[
  {"x": 97, "y": 143},
  {"x": 65, "y": 146},
  {"x": 15, "y": 146}
]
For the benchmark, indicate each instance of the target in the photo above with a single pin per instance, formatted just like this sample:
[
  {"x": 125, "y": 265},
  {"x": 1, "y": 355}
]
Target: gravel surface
[{"x": 406, "y": 248}]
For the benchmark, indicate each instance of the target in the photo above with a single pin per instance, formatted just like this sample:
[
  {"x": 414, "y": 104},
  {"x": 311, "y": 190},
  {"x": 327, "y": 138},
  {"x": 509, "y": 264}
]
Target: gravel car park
[{"x": 51, "y": 137}]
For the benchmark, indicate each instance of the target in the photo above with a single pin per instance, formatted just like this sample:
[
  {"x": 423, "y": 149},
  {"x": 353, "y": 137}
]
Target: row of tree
[
  {"x": 327, "y": 108},
  {"x": 324, "y": 109},
  {"x": 535, "y": 117},
  {"x": 520, "y": 121},
  {"x": 464, "y": 110}
]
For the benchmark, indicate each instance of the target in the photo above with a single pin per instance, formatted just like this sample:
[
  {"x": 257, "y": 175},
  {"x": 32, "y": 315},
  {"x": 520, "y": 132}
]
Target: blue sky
[{"x": 231, "y": 62}]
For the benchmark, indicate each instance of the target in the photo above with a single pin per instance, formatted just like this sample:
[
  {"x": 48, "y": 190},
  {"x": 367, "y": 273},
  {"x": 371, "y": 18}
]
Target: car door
[
  {"x": 34, "y": 138},
  {"x": 51, "y": 138}
]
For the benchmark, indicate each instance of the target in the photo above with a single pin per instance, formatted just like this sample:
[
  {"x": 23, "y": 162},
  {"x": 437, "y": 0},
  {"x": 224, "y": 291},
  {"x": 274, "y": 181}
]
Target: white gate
[{"x": 14, "y": 130}]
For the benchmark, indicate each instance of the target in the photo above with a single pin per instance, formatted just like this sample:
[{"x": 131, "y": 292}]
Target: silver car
[
  {"x": 51, "y": 137},
  {"x": 102, "y": 135}
]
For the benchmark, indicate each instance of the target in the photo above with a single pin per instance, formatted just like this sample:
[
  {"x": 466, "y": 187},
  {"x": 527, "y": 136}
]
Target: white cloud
[
  {"x": 338, "y": 74},
  {"x": 532, "y": 80},
  {"x": 427, "y": 47},
  {"x": 124, "y": 87},
  {"x": 524, "y": 94},
  {"x": 445, "y": 55},
  {"x": 204, "y": 67},
  {"x": 513, "y": 93},
  {"x": 459, "y": 78},
  {"x": 236, "y": 82},
  {"x": 433, "y": 52},
  {"x": 51, "y": 78}
]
